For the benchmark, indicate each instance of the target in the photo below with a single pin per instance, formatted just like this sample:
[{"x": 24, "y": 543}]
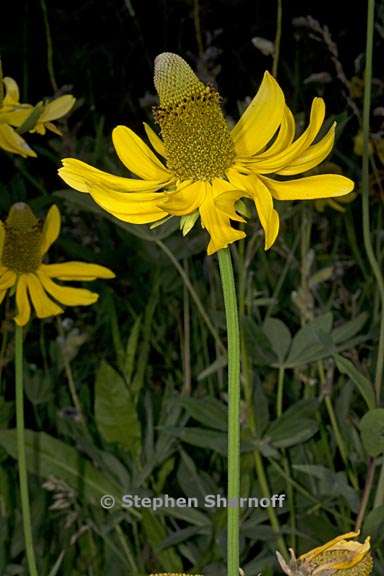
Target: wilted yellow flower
[
  {"x": 209, "y": 167},
  {"x": 24, "y": 242},
  {"x": 337, "y": 557},
  {"x": 27, "y": 118}
]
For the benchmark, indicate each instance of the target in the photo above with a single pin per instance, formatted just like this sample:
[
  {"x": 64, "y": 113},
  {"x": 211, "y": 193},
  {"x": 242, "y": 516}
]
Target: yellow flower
[
  {"x": 209, "y": 167},
  {"x": 14, "y": 114},
  {"x": 337, "y": 557},
  {"x": 23, "y": 244}
]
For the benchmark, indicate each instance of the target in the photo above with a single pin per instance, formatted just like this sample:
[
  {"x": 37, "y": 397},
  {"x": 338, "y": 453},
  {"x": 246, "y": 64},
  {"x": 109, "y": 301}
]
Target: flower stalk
[
  {"x": 233, "y": 332},
  {"x": 23, "y": 480}
]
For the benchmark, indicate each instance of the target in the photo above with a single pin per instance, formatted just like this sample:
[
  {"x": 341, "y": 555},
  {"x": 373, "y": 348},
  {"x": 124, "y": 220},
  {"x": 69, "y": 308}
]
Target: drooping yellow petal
[
  {"x": 310, "y": 187},
  {"x": 186, "y": 199},
  {"x": 13, "y": 142},
  {"x": 12, "y": 95},
  {"x": 137, "y": 156},
  {"x": 260, "y": 120},
  {"x": 278, "y": 162},
  {"x": 83, "y": 271},
  {"x": 226, "y": 195},
  {"x": 22, "y": 302},
  {"x": 319, "y": 549},
  {"x": 155, "y": 140},
  {"x": 313, "y": 156},
  {"x": 254, "y": 188},
  {"x": 57, "y": 108},
  {"x": 133, "y": 207},
  {"x": 80, "y": 175},
  {"x": 7, "y": 279},
  {"x": 217, "y": 223},
  {"x": 43, "y": 305},
  {"x": 51, "y": 229},
  {"x": 66, "y": 294}
]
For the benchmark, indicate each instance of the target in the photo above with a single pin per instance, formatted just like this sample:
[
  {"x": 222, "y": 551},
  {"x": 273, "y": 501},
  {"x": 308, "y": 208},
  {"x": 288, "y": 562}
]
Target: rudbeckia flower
[
  {"x": 14, "y": 114},
  {"x": 207, "y": 168},
  {"x": 24, "y": 243},
  {"x": 337, "y": 557}
]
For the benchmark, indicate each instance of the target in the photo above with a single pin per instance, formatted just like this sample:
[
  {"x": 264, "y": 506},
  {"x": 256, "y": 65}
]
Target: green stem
[
  {"x": 277, "y": 37},
  {"x": 280, "y": 392},
  {"x": 233, "y": 333},
  {"x": 23, "y": 479},
  {"x": 365, "y": 193}
]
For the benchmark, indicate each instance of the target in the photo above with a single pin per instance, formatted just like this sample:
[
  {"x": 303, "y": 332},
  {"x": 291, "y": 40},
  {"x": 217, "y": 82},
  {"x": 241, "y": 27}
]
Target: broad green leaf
[
  {"x": 372, "y": 431},
  {"x": 115, "y": 411},
  {"x": 279, "y": 336},
  {"x": 47, "y": 456},
  {"x": 312, "y": 342},
  {"x": 362, "y": 383},
  {"x": 201, "y": 437},
  {"x": 258, "y": 346},
  {"x": 349, "y": 329},
  {"x": 295, "y": 426},
  {"x": 207, "y": 411}
]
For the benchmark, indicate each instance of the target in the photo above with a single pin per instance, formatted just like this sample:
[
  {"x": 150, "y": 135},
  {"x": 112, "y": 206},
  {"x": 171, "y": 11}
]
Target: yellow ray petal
[
  {"x": 225, "y": 197},
  {"x": 319, "y": 549},
  {"x": 43, "y": 305},
  {"x": 13, "y": 142},
  {"x": 66, "y": 294},
  {"x": 76, "y": 271},
  {"x": 260, "y": 120},
  {"x": 255, "y": 189},
  {"x": 7, "y": 279},
  {"x": 137, "y": 156},
  {"x": 217, "y": 223},
  {"x": 155, "y": 140},
  {"x": 78, "y": 175},
  {"x": 57, "y": 108},
  {"x": 186, "y": 199},
  {"x": 284, "y": 137},
  {"x": 279, "y": 161},
  {"x": 22, "y": 302},
  {"x": 12, "y": 95},
  {"x": 310, "y": 187},
  {"x": 312, "y": 156},
  {"x": 51, "y": 229},
  {"x": 133, "y": 207}
]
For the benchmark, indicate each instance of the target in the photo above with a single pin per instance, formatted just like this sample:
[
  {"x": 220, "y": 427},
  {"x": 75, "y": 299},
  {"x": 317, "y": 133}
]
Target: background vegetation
[{"x": 147, "y": 362}]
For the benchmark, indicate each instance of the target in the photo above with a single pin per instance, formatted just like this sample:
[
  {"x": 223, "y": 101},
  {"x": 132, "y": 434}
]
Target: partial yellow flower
[
  {"x": 337, "y": 557},
  {"x": 340, "y": 203},
  {"x": 24, "y": 242},
  {"x": 209, "y": 167},
  {"x": 27, "y": 118}
]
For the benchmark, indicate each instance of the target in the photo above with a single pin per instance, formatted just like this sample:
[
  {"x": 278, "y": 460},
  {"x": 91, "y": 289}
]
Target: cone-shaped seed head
[
  {"x": 22, "y": 241},
  {"x": 195, "y": 134}
]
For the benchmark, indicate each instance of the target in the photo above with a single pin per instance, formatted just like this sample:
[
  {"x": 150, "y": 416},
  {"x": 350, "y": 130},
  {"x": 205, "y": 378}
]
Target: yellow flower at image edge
[
  {"x": 337, "y": 557},
  {"x": 23, "y": 244},
  {"x": 14, "y": 114},
  {"x": 207, "y": 167}
]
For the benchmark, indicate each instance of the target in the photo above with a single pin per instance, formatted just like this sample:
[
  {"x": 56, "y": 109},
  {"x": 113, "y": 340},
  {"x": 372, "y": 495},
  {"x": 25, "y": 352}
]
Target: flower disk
[{"x": 195, "y": 134}]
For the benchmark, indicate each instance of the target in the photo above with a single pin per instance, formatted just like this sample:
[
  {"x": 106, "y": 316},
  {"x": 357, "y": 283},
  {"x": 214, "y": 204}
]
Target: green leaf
[
  {"x": 217, "y": 365},
  {"x": 372, "y": 431},
  {"x": 208, "y": 411},
  {"x": 279, "y": 336},
  {"x": 312, "y": 342},
  {"x": 349, "y": 329},
  {"x": 295, "y": 426},
  {"x": 115, "y": 411},
  {"x": 47, "y": 456},
  {"x": 201, "y": 437},
  {"x": 258, "y": 346},
  {"x": 130, "y": 351},
  {"x": 362, "y": 383},
  {"x": 374, "y": 524},
  {"x": 156, "y": 533}
]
